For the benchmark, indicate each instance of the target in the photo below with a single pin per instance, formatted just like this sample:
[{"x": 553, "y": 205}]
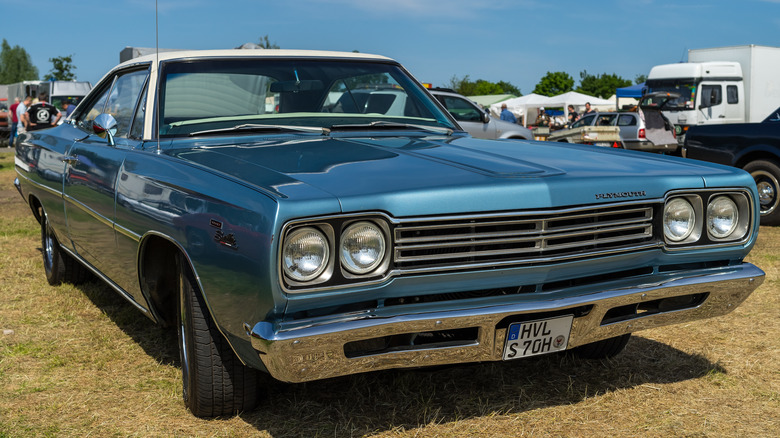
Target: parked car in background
[
  {"x": 254, "y": 201},
  {"x": 591, "y": 129},
  {"x": 754, "y": 147},
  {"x": 476, "y": 121}
]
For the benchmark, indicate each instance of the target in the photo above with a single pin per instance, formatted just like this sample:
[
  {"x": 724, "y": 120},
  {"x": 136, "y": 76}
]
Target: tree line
[
  {"x": 16, "y": 66},
  {"x": 551, "y": 84}
]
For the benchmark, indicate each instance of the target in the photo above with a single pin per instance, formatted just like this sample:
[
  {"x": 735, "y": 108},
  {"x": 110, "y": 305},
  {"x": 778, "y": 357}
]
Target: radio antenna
[{"x": 157, "y": 69}]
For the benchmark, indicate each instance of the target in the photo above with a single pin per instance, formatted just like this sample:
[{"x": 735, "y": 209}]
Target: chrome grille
[{"x": 522, "y": 238}]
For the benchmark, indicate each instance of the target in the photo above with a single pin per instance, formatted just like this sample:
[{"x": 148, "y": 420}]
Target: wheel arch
[
  {"x": 159, "y": 260},
  {"x": 756, "y": 154}
]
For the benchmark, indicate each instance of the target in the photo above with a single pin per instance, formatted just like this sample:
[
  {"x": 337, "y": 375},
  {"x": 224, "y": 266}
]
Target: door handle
[{"x": 70, "y": 159}]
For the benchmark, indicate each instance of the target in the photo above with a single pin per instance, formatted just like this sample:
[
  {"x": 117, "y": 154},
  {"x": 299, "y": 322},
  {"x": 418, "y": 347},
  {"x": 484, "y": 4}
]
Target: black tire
[
  {"x": 215, "y": 382},
  {"x": 603, "y": 349},
  {"x": 58, "y": 265},
  {"x": 767, "y": 176}
]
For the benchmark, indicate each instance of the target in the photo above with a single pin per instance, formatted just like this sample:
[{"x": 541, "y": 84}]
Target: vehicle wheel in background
[
  {"x": 58, "y": 266},
  {"x": 767, "y": 174},
  {"x": 215, "y": 382},
  {"x": 602, "y": 349}
]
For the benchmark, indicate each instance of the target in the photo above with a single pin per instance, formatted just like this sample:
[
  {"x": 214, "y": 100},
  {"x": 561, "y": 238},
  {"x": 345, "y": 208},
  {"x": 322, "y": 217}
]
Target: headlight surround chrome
[
  {"x": 679, "y": 220},
  {"x": 362, "y": 247},
  {"x": 305, "y": 254},
  {"x": 722, "y": 217}
]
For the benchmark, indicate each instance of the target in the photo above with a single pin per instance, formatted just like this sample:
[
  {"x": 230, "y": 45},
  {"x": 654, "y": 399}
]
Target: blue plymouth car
[{"x": 316, "y": 214}]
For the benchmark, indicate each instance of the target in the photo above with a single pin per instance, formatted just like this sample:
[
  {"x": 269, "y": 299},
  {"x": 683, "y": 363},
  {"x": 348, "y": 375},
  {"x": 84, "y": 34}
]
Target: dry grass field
[{"x": 79, "y": 362}]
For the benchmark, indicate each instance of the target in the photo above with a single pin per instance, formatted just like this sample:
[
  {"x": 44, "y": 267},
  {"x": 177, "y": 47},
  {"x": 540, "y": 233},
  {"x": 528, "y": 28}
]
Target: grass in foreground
[{"x": 82, "y": 362}]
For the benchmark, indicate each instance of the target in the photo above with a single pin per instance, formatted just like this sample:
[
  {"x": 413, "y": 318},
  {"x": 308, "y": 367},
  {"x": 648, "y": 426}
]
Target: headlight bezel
[
  {"x": 335, "y": 275},
  {"x": 701, "y": 236}
]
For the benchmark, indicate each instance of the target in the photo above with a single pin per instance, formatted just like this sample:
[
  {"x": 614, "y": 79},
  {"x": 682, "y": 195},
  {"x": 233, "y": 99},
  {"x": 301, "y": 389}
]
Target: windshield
[
  {"x": 684, "y": 87},
  {"x": 212, "y": 95}
]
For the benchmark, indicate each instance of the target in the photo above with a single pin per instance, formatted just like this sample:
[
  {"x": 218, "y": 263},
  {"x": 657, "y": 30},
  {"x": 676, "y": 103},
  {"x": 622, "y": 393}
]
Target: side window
[
  {"x": 461, "y": 109},
  {"x": 118, "y": 98},
  {"x": 711, "y": 95},
  {"x": 85, "y": 118},
  {"x": 626, "y": 120},
  {"x": 123, "y": 99},
  {"x": 732, "y": 94}
]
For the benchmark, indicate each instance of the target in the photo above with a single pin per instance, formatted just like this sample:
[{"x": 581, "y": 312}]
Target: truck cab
[{"x": 710, "y": 93}]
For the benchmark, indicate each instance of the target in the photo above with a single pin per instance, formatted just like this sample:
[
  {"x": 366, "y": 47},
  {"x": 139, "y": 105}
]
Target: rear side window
[
  {"x": 732, "y": 94},
  {"x": 626, "y": 120}
]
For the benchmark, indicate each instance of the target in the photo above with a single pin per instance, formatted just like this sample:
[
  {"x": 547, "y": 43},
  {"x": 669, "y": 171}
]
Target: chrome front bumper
[{"x": 316, "y": 351}]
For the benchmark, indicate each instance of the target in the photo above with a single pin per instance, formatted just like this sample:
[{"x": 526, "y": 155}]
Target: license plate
[{"x": 532, "y": 338}]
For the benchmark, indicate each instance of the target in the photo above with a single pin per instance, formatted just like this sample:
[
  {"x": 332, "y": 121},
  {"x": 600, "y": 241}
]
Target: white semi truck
[{"x": 736, "y": 84}]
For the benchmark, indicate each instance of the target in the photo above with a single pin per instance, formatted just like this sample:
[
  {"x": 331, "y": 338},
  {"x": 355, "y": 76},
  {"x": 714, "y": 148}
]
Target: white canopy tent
[{"x": 520, "y": 106}]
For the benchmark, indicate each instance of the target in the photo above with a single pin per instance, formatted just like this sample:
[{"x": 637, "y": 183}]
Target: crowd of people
[
  {"x": 546, "y": 119},
  {"x": 27, "y": 115}
]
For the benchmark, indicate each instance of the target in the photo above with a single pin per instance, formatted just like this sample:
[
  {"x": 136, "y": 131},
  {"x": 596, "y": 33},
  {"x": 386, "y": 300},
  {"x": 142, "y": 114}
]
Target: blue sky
[{"x": 517, "y": 41}]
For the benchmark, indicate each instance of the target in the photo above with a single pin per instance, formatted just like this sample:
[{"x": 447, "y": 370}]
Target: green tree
[
  {"x": 62, "y": 69},
  {"x": 266, "y": 43},
  {"x": 640, "y": 78},
  {"x": 481, "y": 87},
  {"x": 554, "y": 83},
  {"x": 603, "y": 85},
  {"x": 15, "y": 65}
]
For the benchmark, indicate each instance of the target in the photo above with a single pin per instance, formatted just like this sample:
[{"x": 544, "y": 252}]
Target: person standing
[
  {"x": 21, "y": 112},
  {"x": 573, "y": 116},
  {"x": 507, "y": 115},
  {"x": 68, "y": 107},
  {"x": 588, "y": 109},
  {"x": 14, "y": 121},
  {"x": 42, "y": 115}
]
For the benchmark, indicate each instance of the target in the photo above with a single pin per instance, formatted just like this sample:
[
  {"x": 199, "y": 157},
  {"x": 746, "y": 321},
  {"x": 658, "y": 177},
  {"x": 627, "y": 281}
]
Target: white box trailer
[
  {"x": 760, "y": 75},
  {"x": 720, "y": 85}
]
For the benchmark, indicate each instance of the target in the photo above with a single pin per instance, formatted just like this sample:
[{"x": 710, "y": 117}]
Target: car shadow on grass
[
  {"x": 408, "y": 399},
  {"x": 156, "y": 341}
]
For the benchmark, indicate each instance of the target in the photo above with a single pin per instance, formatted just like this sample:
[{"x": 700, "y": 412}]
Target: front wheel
[
  {"x": 215, "y": 382},
  {"x": 58, "y": 266},
  {"x": 766, "y": 173}
]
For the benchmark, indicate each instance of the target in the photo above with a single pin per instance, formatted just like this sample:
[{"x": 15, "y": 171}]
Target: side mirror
[
  {"x": 485, "y": 118},
  {"x": 105, "y": 126}
]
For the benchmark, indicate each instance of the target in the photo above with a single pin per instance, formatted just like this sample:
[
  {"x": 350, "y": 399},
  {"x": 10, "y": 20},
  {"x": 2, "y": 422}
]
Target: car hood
[{"x": 441, "y": 175}]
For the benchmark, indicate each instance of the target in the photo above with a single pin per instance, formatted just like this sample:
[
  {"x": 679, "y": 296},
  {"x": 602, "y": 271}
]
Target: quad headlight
[
  {"x": 679, "y": 219},
  {"x": 722, "y": 217},
  {"x": 305, "y": 254},
  {"x": 706, "y": 218},
  {"x": 334, "y": 251},
  {"x": 362, "y": 247}
]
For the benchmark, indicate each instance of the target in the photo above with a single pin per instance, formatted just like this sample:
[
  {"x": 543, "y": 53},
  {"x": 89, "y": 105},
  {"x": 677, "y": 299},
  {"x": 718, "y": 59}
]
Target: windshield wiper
[
  {"x": 393, "y": 125},
  {"x": 251, "y": 127}
]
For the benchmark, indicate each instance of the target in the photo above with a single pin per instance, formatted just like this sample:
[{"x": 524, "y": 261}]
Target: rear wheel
[
  {"x": 766, "y": 173},
  {"x": 215, "y": 382},
  {"x": 603, "y": 349},
  {"x": 58, "y": 266}
]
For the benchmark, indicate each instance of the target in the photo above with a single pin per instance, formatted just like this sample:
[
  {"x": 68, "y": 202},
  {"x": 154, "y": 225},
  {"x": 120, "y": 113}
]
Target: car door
[
  {"x": 712, "y": 108},
  {"x": 93, "y": 164},
  {"x": 469, "y": 116}
]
